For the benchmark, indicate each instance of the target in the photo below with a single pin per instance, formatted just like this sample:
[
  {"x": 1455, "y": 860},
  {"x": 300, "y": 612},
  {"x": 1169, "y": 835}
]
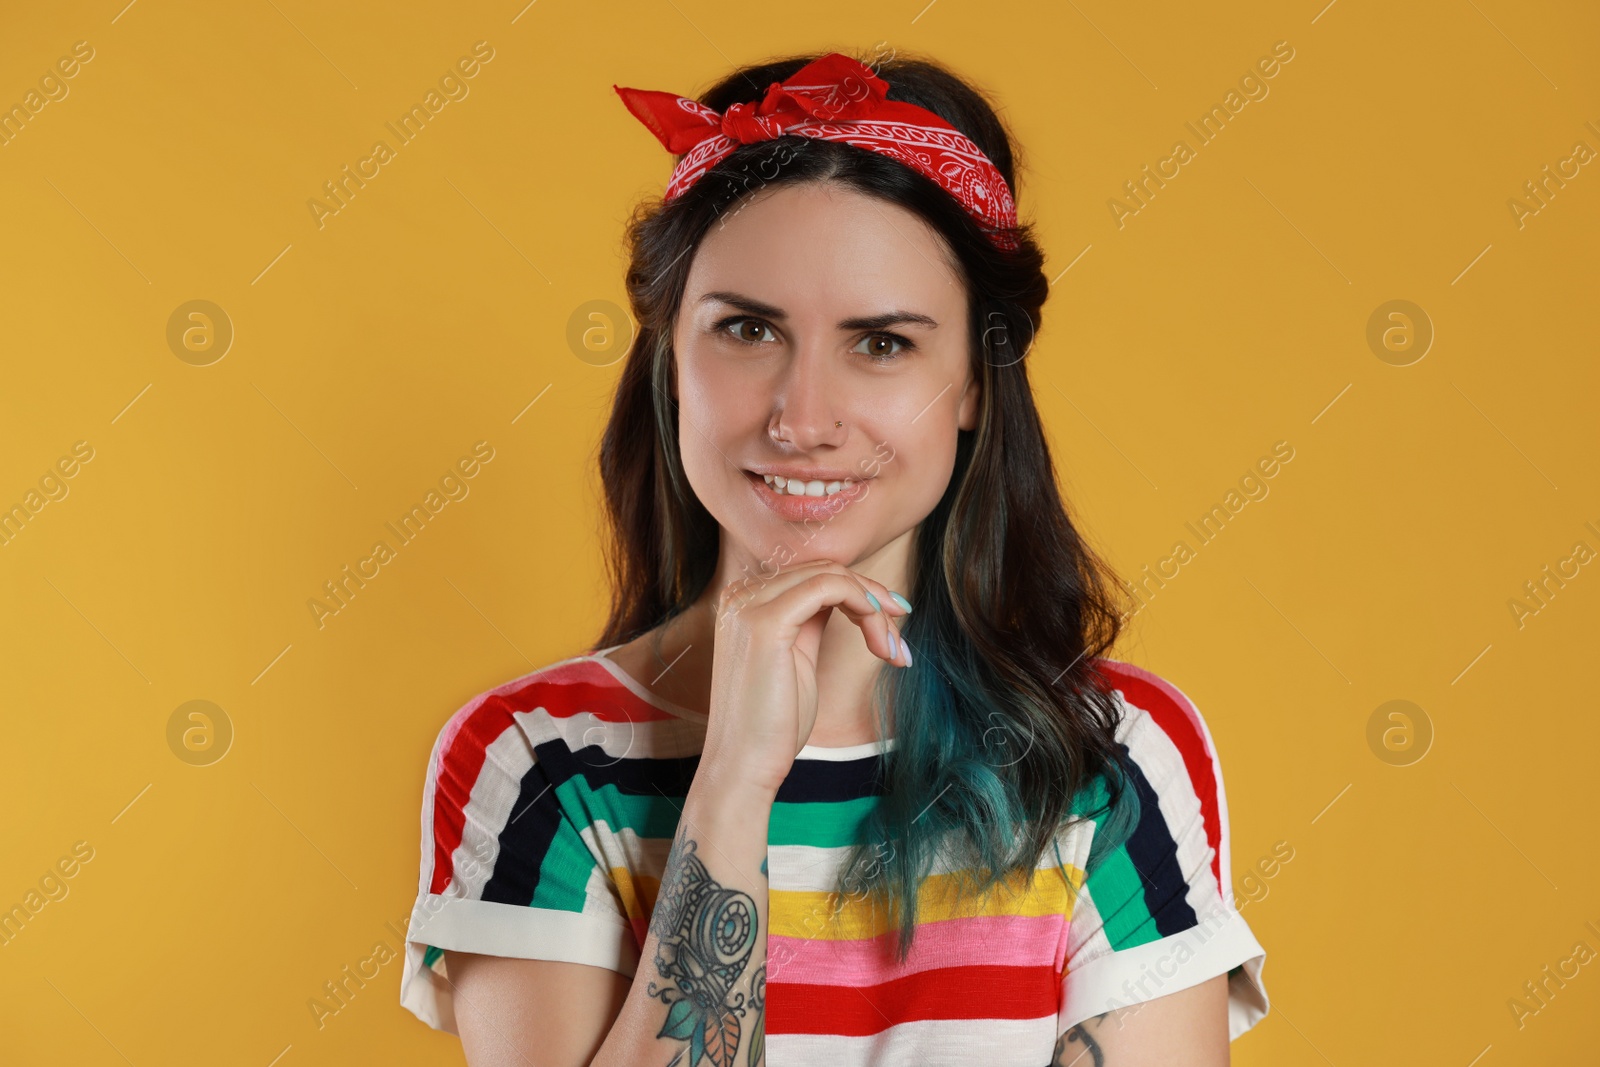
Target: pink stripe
[{"x": 999, "y": 940}]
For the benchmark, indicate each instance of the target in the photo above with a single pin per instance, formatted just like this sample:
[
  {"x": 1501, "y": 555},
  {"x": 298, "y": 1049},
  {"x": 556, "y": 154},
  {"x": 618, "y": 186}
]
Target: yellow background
[{"x": 370, "y": 353}]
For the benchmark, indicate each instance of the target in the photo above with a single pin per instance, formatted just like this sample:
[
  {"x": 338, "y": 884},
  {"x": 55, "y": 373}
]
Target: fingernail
[
  {"x": 902, "y": 601},
  {"x": 874, "y": 602},
  {"x": 907, "y": 647},
  {"x": 894, "y": 651}
]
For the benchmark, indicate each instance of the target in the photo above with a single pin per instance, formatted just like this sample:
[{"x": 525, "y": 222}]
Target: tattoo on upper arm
[
  {"x": 705, "y": 935},
  {"x": 1072, "y": 1046}
]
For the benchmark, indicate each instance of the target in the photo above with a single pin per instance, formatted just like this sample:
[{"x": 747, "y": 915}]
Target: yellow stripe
[
  {"x": 807, "y": 913},
  {"x": 633, "y": 887},
  {"x": 810, "y": 914}
]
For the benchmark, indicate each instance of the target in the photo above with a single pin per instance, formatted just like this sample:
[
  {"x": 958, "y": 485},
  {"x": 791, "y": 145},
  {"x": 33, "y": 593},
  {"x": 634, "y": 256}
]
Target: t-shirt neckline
[{"x": 815, "y": 752}]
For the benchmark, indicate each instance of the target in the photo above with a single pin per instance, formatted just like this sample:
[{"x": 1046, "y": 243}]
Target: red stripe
[
  {"x": 459, "y": 766},
  {"x": 1180, "y": 720},
  {"x": 563, "y": 690},
  {"x": 606, "y": 699},
  {"x": 977, "y": 992}
]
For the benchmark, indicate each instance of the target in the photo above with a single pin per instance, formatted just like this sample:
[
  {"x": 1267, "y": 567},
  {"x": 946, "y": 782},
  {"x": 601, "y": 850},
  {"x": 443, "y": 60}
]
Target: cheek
[
  {"x": 695, "y": 425},
  {"x": 913, "y": 464},
  {"x": 718, "y": 413}
]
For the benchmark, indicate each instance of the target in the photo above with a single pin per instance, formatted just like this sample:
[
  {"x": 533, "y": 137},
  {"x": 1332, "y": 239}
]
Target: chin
[{"x": 779, "y": 545}]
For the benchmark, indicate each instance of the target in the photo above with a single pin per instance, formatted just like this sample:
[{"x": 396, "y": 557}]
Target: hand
[{"x": 764, "y": 667}]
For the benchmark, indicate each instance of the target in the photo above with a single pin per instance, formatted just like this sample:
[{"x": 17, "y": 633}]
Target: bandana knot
[{"x": 833, "y": 98}]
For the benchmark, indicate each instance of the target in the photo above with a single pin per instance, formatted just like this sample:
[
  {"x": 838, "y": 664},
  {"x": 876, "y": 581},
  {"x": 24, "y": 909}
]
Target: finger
[
  {"x": 882, "y": 600},
  {"x": 899, "y": 653},
  {"x": 802, "y": 601},
  {"x": 762, "y": 588},
  {"x": 882, "y": 595}
]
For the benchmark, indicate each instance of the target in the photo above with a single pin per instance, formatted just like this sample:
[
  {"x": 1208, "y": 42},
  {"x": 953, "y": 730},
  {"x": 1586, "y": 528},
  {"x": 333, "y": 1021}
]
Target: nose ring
[{"x": 838, "y": 422}]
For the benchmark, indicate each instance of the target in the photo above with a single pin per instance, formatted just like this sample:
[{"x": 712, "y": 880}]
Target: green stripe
[
  {"x": 566, "y": 867},
  {"x": 1114, "y": 883},
  {"x": 431, "y": 955},
  {"x": 564, "y": 872},
  {"x": 820, "y": 824},
  {"x": 646, "y": 816},
  {"x": 1116, "y": 886}
]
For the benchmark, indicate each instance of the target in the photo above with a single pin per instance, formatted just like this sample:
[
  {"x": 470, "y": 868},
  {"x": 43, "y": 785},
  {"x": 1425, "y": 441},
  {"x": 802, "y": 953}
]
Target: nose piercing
[{"x": 838, "y": 422}]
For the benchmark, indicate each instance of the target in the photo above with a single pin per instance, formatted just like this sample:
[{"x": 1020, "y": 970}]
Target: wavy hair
[{"x": 1004, "y": 727}]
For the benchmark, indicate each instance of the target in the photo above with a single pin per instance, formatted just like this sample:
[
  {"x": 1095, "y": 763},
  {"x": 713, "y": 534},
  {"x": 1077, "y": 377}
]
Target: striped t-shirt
[{"x": 551, "y": 802}]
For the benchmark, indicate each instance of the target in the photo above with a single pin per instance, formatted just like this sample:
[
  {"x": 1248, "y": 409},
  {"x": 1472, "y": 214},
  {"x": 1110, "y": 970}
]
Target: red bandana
[{"x": 834, "y": 98}]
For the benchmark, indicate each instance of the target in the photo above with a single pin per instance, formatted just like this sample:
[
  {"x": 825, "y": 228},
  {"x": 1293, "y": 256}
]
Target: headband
[{"x": 834, "y": 98}]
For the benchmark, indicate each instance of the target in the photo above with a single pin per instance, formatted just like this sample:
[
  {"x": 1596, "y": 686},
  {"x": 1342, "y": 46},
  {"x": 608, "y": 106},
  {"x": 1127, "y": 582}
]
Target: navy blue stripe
[
  {"x": 1155, "y": 856},
  {"x": 526, "y": 838},
  {"x": 809, "y": 781},
  {"x": 821, "y": 781}
]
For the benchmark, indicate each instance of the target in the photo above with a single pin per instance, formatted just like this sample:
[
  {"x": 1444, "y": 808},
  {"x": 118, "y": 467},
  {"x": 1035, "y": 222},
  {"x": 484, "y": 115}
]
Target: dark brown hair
[{"x": 1004, "y": 728}]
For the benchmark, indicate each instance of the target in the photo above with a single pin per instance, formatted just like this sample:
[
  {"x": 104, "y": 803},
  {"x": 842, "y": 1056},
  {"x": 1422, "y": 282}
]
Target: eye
[
  {"x": 876, "y": 350},
  {"x": 744, "y": 324}
]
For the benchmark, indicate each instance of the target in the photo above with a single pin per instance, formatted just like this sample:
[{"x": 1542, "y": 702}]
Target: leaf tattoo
[
  {"x": 705, "y": 934},
  {"x": 758, "y": 1032}
]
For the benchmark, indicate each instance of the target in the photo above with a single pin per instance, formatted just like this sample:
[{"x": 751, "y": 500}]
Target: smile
[
  {"x": 799, "y": 501},
  {"x": 796, "y": 487}
]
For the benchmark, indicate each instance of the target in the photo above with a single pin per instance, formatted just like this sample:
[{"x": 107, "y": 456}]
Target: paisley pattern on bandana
[{"x": 834, "y": 98}]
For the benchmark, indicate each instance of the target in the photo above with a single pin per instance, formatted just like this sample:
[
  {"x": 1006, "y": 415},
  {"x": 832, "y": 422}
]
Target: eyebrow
[{"x": 752, "y": 306}]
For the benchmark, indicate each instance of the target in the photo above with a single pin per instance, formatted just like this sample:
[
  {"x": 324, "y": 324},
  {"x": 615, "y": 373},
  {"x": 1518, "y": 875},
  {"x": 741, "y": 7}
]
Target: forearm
[{"x": 700, "y": 991}]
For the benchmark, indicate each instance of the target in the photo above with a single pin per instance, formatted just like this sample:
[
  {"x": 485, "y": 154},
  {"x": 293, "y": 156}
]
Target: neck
[{"x": 846, "y": 669}]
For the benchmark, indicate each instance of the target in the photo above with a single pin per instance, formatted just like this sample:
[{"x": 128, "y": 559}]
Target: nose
[{"x": 808, "y": 408}]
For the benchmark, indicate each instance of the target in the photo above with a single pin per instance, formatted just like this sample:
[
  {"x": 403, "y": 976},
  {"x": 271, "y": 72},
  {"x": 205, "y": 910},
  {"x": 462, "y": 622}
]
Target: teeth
[{"x": 796, "y": 487}]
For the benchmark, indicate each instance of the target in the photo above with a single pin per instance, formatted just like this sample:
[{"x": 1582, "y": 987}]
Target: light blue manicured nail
[
  {"x": 874, "y": 602},
  {"x": 906, "y": 647},
  {"x": 894, "y": 651},
  {"x": 902, "y": 601}
]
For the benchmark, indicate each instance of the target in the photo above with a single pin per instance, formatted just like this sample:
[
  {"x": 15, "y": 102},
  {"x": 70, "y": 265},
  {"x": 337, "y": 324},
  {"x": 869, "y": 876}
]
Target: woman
[{"x": 986, "y": 840}]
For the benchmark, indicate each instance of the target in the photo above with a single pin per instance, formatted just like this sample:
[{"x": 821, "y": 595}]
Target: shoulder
[
  {"x": 1154, "y": 913},
  {"x": 523, "y": 816},
  {"x": 576, "y": 716},
  {"x": 1178, "y": 767},
  {"x": 541, "y": 743},
  {"x": 578, "y": 701},
  {"x": 1148, "y": 697}
]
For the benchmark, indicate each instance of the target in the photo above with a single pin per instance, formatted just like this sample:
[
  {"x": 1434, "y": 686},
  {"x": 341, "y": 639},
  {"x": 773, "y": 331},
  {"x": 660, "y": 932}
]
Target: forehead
[{"x": 825, "y": 247}]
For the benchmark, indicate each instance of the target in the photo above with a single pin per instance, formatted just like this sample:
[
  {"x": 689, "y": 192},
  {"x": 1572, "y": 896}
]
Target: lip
[
  {"x": 806, "y": 508},
  {"x": 808, "y": 474}
]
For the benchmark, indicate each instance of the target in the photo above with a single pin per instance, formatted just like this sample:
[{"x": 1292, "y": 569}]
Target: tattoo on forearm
[
  {"x": 758, "y": 1030},
  {"x": 1068, "y": 1054},
  {"x": 705, "y": 935}
]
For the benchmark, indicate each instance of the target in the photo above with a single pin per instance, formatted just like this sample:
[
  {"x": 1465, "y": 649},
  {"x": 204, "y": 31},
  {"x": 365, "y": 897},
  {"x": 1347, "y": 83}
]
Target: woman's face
[{"x": 823, "y": 338}]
